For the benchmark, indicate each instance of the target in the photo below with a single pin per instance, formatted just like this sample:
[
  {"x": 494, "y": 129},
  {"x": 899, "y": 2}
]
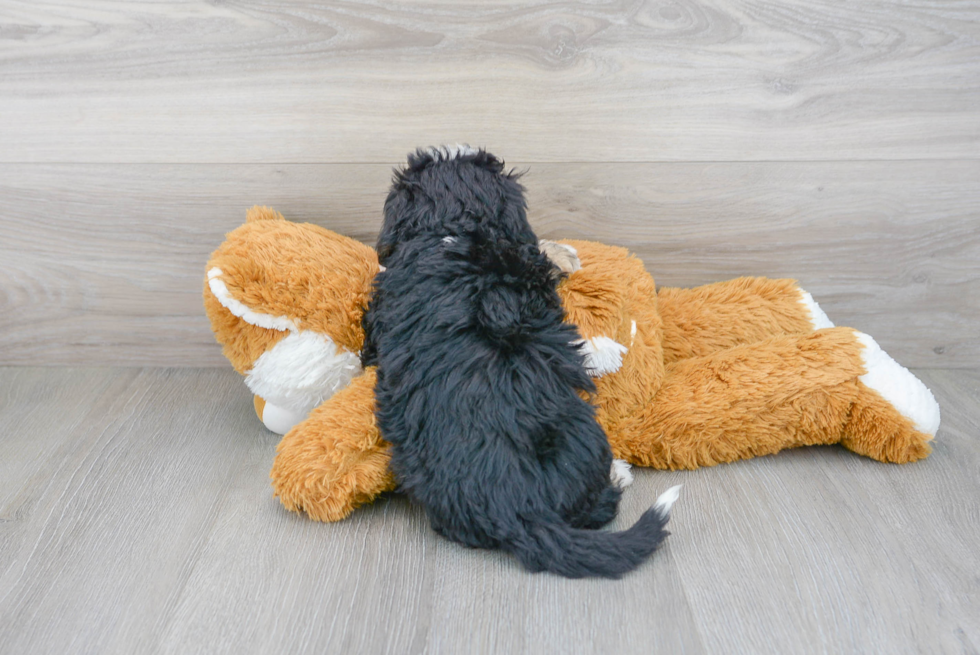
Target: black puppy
[{"x": 479, "y": 377}]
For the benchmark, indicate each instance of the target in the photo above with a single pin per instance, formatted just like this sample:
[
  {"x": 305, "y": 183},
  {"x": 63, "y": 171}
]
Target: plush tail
[{"x": 577, "y": 553}]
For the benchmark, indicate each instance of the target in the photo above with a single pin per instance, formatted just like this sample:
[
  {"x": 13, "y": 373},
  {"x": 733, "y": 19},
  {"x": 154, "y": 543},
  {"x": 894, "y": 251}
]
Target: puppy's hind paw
[{"x": 620, "y": 474}]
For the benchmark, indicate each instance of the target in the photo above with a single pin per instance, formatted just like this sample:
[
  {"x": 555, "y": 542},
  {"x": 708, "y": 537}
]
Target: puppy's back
[{"x": 479, "y": 382}]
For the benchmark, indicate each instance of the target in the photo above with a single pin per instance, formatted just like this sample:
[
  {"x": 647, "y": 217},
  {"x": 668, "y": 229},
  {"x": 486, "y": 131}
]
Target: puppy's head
[{"x": 453, "y": 191}]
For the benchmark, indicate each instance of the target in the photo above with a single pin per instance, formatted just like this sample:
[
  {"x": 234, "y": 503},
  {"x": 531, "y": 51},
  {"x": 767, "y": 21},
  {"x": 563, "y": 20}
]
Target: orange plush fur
[{"x": 713, "y": 374}]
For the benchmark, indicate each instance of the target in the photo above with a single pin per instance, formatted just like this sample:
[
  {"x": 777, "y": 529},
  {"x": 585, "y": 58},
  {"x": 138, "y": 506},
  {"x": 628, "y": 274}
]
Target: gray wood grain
[
  {"x": 270, "y": 581},
  {"x": 485, "y": 603},
  {"x": 115, "y": 524},
  {"x": 148, "y": 526},
  {"x": 104, "y": 264},
  {"x": 290, "y": 81},
  {"x": 33, "y": 442},
  {"x": 857, "y": 556}
]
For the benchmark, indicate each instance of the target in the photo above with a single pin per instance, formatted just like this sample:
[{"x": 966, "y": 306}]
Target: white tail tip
[{"x": 667, "y": 499}]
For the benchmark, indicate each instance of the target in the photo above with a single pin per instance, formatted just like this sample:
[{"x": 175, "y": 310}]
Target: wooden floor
[
  {"x": 834, "y": 142},
  {"x": 136, "y": 516}
]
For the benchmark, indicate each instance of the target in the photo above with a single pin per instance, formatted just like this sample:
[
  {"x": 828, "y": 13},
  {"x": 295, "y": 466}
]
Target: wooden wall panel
[
  {"x": 292, "y": 81},
  {"x": 103, "y": 264}
]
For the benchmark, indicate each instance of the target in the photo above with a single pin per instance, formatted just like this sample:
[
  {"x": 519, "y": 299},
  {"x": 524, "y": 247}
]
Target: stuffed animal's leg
[
  {"x": 713, "y": 317},
  {"x": 335, "y": 460},
  {"x": 830, "y": 386},
  {"x": 874, "y": 428}
]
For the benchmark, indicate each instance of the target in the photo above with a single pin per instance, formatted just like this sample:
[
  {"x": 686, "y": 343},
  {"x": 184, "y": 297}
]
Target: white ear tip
[
  {"x": 220, "y": 291},
  {"x": 668, "y": 498}
]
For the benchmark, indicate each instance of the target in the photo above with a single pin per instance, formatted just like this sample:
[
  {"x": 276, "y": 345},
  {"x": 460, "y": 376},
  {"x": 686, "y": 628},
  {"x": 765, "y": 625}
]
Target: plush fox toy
[{"x": 685, "y": 377}]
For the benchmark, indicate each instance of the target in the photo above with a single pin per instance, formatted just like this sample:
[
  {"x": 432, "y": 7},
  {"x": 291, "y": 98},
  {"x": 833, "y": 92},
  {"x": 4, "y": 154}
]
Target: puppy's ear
[{"x": 396, "y": 217}]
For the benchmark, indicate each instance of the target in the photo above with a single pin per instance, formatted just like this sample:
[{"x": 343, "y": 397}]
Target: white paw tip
[
  {"x": 620, "y": 474},
  {"x": 667, "y": 499},
  {"x": 817, "y": 316},
  {"x": 602, "y": 355},
  {"x": 899, "y": 386}
]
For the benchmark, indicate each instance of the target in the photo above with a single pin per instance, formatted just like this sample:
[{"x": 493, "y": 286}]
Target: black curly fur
[{"x": 478, "y": 378}]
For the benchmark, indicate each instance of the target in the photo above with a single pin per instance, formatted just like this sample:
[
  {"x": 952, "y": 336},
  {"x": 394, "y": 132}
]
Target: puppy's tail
[{"x": 577, "y": 553}]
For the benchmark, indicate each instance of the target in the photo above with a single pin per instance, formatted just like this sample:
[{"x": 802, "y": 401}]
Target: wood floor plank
[
  {"x": 158, "y": 533},
  {"x": 99, "y": 562},
  {"x": 942, "y": 501},
  {"x": 104, "y": 264},
  {"x": 322, "y": 588},
  {"x": 45, "y": 437},
  {"x": 33, "y": 441},
  {"x": 289, "y": 81},
  {"x": 382, "y": 582},
  {"x": 839, "y": 553},
  {"x": 488, "y": 604},
  {"x": 271, "y": 581}
]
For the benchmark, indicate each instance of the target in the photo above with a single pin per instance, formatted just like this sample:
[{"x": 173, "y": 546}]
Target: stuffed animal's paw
[
  {"x": 620, "y": 474},
  {"x": 277, "y": 419},
  {"x": 895, "y": 416},
  {"x": 335, "y": 460},
  {"x": 562, "y": 255}
]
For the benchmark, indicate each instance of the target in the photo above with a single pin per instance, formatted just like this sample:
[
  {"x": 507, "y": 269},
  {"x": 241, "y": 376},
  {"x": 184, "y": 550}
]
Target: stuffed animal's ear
[
  {"x": 258, "y": 213},
  {"x": 235, "y": 302},
  {"x": 240, "y": 330}
]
